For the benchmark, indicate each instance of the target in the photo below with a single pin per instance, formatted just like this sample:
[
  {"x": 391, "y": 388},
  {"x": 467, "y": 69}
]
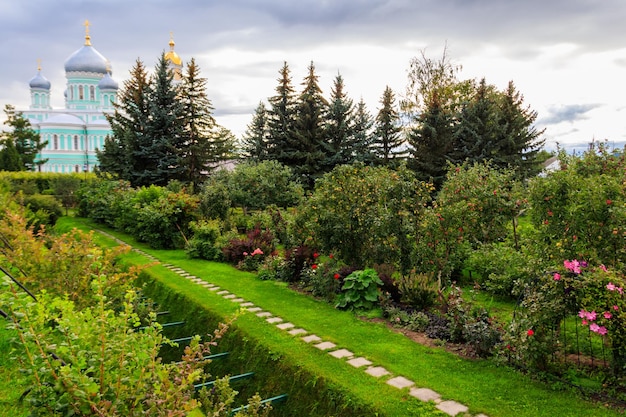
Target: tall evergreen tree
[
  {"x": 281, "y": 118},
  {"x": 255, "y": 139},
  {"x": 520, "y": 142},
  {"x": 362, "y": 134},
  {"x": 162, "y": 150},
  {"x": 387, "y": 134},
  {"x": 9, "y": 156},
  {"x": 26, "y": 141},
  {"x": 199, "y": 126},
  {"x": 478, "y": 131},
  {"x": 128, "y": 124},
  {"x": 307, "y": 144},
  {"x": 431, "y": 142},
  {"x": 340, "y": 134}
]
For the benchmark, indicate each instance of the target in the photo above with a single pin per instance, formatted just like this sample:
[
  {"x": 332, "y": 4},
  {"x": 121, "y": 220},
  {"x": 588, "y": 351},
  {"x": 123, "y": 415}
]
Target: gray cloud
[{"x": 567, "y": 113}]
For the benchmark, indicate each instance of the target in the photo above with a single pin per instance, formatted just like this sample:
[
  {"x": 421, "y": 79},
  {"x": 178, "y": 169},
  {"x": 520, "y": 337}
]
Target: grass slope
[{"x": 483, "y": 386}]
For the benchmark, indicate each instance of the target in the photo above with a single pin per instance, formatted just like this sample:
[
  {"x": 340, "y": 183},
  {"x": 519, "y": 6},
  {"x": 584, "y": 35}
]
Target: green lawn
[
  {"x": 12, "y": 382},
  {"x": 481, "y": 385}
]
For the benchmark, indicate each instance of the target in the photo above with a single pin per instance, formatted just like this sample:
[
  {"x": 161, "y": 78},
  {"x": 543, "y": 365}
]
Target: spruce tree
[
  {"x": 478, "y": 130},
  {"x": 281, "y": 117},
  {"x": 26, "y": 141},
  {"x": 519, "y": 141},
  {"x": 199, "y": 127},
  {"x": 129, "y": 120},
  {"x": 362, "y": 134},
  {"x": 9, "y": 156},
  {"x": 431, "y": 142},
  {"x": 387, "y": 133},
  {"x": 340, "y": 134},
  {"x": 255, "y": 139},
  {"x": 164, "y": 139},
  {"x": 307, "y": 145}
]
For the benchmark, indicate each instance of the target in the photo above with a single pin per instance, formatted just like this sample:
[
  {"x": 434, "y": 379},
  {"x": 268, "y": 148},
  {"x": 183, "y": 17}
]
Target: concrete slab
[
  {"x": 273, "y": 320},
  {"x": 452, "y": 408},
  {"x": 325, "y": 345},
  {"x": 237, "y": 300},
  {"x": 230, "y": 296},
  {"x": 481, "y": 415},
  {"x": 295, "y": 332},
  {"x": 264, "y": 314},
  {"x": 358, "y": 362},
  {"x": 341, "y": 353},
  {"x": 254, "y": 309},
  {"x": 247, "y": 304},
  {"x": 214, "y": 288},
  {"x": 377, "y": 371},
  {"x": 285, "y": 326},
  {"x": 400, "y": 382},
  {"x": 425, "y": 394},
  {"x": 311, "y": 338},
  {"x": 223, "y": 292}
]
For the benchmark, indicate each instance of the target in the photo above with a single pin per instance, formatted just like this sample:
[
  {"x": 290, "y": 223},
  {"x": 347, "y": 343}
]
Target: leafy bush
[
  {"x": 239, "y": 250},
  {"x": 419, "y": 290},
  {"x": 46, "y": 208},
  {"x": 203, "y": 242},
  {"x": 360, "y": 290},
  {"x": 500, "y": 269},
  {"x": 324, "y": 277}
]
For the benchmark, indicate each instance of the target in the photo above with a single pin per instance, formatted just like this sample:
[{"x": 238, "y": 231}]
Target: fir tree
[
  {"x": 306, "y": 147},
  {"x": 129, "y": 120},
  {"x": 340, "y": 135},
  {"x": 519, "y": 142},
  {"x": 431, "y": 142},
  {"x": 478, "y": 131},
  {"x": 387, "y": 134},
  {"x": 281, "y": 117},
  {"x": 26, "y": 141},
  {"x": 255, "y": 139},
  {"x": 362, "y": 134},
  {"x": 9, "y": 156},
  {"x": 164, "y": 139},
  {"x": 197, "y": 149}
]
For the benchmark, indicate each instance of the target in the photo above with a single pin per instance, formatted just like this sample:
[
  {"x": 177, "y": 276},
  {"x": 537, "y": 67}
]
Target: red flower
[
  {"x": 608, "y": 202},
  {"x": 330, "y": 256},
  {"x": 314, "y": 266},
  {"x": 336, "y": 276},
  {"x": 316, "y": 255},
  {"x": 530, "y": 332}
]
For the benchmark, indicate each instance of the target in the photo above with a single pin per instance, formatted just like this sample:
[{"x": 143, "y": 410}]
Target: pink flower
[
  {"x": 573, "y": 266},
  {"x": 602, "y": 267},
  {"x": 620, "y": 290},
  {"x": 582, "y": 314},
  {"x": 611, "y": 287},
  {"x": 594, "y": 327},
  {"x": 257, "y": 251},
  {"x": 607, "y": 315},
  {"x": 602, "y": 330},
  {"x": 557, "y": 276},
  {"x": 615, "y": 308},
  {"x": 245, "y": 254},
  {"x": 592, "y": 316},
  {"x": 584, "y": 322}
]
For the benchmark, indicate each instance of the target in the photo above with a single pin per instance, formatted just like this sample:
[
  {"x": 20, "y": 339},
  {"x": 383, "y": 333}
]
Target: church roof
[
  {"x": 63, "y": 119},
  {"x": 87, "y": 58},
  {"x": 39, "y": 82},
  {"x": 108, "y": 83}
]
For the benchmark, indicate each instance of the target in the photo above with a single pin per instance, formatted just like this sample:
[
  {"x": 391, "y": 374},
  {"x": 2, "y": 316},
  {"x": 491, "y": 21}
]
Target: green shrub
[
  {"x": 360, "y": 290},
  {"x": 203, "y": 242},
  {"x": 419, "y": 290},
  {"x": 46, "y": 208}
]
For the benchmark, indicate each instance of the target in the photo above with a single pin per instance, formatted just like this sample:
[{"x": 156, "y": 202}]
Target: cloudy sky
[{"x": 567, "y": 57}]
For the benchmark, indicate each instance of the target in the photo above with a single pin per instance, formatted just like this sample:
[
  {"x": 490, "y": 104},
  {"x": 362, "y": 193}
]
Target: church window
[
  {"x": 71, "y": 92},
  {"x": 81, "y": 96},
  {"x": 76, "y": 168},
  {"x": 76, "y": 142},
  {"x": 92, "y": 93},
  {"x": 55, "y": 141}
]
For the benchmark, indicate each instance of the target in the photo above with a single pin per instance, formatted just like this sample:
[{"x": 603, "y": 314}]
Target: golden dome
[{"x": 171, "y": 55}]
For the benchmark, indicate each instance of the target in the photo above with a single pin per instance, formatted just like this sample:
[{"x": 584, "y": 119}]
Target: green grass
[{"x": 483, "y": 386}]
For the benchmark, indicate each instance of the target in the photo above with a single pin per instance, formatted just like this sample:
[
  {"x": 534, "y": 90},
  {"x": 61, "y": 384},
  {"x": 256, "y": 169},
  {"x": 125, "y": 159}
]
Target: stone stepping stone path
[{"x": 450, "y": 407}]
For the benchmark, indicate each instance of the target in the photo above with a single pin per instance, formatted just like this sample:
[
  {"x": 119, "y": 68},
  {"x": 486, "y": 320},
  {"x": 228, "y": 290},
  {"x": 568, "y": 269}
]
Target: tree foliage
[
  {"x": 21, "y": 145},
  {"x": 387, "y": 140}
]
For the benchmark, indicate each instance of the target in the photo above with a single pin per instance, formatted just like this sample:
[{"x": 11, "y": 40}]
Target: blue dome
[
  {"x": 86, "y": 59},
  {"x": 107, "y": 83},
  {"x": 39, "y": 82}
]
